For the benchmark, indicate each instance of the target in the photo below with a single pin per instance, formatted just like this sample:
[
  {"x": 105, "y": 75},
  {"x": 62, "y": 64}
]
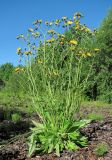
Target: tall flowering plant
[{"x": 54, "y": 73}]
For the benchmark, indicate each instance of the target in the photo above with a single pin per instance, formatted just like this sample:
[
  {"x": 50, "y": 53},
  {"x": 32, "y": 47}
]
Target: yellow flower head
[
  {"x": 84, "y": 55},
  {"x": 69, "y": 22},
  {"x": 51, "y": 31},
  {"x": 61, "y": 35},
  {"x": 61, "y": 43},
  {"x": 88, "y": 54},
  {"x": 50, "y": 23},
  {"x": 77, "y": 27},
  {"x": 28, "y": 53},
  {"x": 17, "y": 69},
  {"x": 62, "y": 39},
  {"x": 37, "y": 22},
  {"x": 34, "y": 23},
  {"x": 96, "y": 49},
  {"x": 30, "y": 30},
  {"x": 77, "y": 23},
  {"x": 22, "y": 69},
  {"x": 36, "y": 34},
  {"x": 86, "y": 29},
  {"x": 57, "y": 22},
  {"x": 73, "y": 42},
  {"x": 39, "y": 61},
  {"x": 20, "y": 36},
  {"x": 19, "y": 50},
  {"x": 47, "y": 23},
  {"x": 78, "y": 15},
  {"x": 64, "y": 18},
  {"x": 81, "y": 51},
  {"x": 50, "y": 40}
]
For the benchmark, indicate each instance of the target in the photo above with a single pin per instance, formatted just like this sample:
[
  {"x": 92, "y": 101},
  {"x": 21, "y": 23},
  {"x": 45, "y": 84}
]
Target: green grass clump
[
  {"x": 16, "y": 117},
  {"x": 101, "y": 149},
  {"x": 95, "y": 116}
]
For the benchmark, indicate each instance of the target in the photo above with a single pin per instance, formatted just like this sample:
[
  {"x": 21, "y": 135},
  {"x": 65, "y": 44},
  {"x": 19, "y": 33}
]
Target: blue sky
[{"x": 16, "y": 16}]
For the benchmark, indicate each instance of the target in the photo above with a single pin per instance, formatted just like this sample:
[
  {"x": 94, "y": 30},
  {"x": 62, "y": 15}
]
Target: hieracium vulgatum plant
[{"x": 53, "y": 64}]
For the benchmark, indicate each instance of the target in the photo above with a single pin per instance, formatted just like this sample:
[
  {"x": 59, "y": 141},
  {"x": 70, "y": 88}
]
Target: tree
[
  {"x": 1, "y": 83},
  {"x": 6, "y": 71},
  {"x": 103, "y": 62}
]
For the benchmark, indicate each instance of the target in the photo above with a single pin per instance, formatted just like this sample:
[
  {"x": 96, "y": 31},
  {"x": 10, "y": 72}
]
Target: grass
[
  {"x": 95, "y": 116},
  {"x": 22, "y": 103},
  {"x": 96, "y": 104},
  {"x": 101, "y": 149},
  {"x": 16, "y": 117}
]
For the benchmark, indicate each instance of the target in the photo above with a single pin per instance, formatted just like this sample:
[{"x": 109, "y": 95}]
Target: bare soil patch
[{"x": 97, "y": 132}]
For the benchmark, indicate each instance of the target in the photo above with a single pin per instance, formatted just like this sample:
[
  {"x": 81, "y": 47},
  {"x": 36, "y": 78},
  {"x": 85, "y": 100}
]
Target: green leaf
[
  {"x": 57, "y": 147},
  {"x": 42, "y": 138},
  {"x": 74, "y": 135},
  {"x": 32, "y": 148},
  {"x": 71, "y": 145},
  {"x": 82, "y": 141},
  {"x": 81, "y": 123},
  {"x": 51, "y": 146},
  {"x": 83, "y": 138},
  {"x": 32, "y": 145},
  {"x": 38, "y": 127},
  {"x": 65, "y": 126}
]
